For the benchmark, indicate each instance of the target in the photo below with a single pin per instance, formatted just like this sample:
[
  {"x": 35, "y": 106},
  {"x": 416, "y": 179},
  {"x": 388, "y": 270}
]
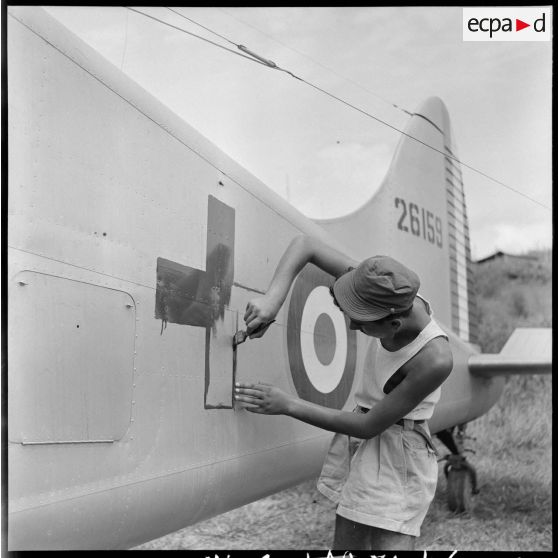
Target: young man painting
[{"x": 381, "y": 468}]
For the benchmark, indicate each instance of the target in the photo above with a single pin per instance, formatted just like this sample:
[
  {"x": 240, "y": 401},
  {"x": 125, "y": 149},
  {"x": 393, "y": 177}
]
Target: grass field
[{"x": 512, "y": 512}]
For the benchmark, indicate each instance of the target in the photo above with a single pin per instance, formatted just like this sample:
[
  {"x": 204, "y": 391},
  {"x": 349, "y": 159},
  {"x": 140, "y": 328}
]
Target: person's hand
[
  {"x": 260, "y": 312},
  {"x": 262, "y": 398}
]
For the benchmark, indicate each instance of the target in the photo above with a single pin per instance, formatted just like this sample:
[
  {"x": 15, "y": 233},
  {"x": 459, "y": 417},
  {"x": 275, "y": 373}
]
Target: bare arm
[
  {"x": 430, "y": 368},
  {"x": 302, "y": 250}
]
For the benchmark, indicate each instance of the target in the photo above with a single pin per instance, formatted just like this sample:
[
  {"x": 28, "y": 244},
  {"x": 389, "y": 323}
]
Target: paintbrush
[{"x": 241, "y": 336}]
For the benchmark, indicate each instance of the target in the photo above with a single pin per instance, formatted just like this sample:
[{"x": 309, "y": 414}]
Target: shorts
[{"x": 387, "y": 481}]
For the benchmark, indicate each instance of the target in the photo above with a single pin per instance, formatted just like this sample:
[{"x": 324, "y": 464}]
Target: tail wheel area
[
  {"x": 461, "y": 485},
  {"x": 460, "y": 474}
]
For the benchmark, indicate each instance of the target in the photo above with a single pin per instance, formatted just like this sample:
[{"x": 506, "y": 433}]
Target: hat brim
[{"x": 352, "y": 305}]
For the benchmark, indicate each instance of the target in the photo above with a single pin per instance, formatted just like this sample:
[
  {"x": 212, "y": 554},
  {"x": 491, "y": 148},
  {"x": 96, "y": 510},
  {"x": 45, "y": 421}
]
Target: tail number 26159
[{"x": 419, "y": 222}]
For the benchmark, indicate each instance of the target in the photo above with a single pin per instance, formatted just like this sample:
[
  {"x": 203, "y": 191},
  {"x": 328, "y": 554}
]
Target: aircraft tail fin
[
  {"x": 527, "y": 351},
  {"x": 418, "y": 215}
]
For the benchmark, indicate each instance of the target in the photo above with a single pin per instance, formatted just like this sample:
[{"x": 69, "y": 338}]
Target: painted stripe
[
  {"x": 458, "y": 177},
  {"x": 458, "y": 233},
  {"x": 463, "y": 307},
  {"x": 430, "y": 122},
  {"x": 457, "y": 210},
  {"x": 460, "y": 283}
]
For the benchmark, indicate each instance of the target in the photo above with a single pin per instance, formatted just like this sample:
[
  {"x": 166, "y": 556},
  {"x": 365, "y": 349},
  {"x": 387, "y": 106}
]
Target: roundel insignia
[{"x": 321, "y": 347}]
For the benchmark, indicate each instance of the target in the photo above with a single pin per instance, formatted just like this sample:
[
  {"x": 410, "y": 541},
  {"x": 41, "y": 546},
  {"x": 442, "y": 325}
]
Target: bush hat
[{"x": 378, "y": 287}]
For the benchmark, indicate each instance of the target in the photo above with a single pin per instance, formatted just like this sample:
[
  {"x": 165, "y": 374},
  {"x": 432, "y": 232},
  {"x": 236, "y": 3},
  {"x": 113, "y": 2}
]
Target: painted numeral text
[{"x": 419, "y": 221}]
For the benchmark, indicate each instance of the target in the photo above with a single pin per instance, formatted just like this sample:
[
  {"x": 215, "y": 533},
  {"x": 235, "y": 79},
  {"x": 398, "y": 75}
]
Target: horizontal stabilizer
[{"x": 527, "y": 351}]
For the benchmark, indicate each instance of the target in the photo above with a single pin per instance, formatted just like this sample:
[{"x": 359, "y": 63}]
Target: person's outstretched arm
[
  {"x": 427, "y": 371},
  {"x": 302, "y": 250}
]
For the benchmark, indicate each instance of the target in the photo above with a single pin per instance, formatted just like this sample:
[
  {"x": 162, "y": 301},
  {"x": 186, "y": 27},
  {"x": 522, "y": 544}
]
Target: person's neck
[{"x": 417, "y": 320}]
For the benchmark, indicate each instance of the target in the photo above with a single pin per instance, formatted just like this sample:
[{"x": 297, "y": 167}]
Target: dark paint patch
[{"x": 190, "y": 296}]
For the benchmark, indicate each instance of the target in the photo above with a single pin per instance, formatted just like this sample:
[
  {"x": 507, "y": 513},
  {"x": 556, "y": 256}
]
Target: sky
[{"x": 328, "y": 159}]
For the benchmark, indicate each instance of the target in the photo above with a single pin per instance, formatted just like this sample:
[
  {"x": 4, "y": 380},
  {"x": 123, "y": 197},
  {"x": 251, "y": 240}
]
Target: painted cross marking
[{"x": 190, "y": 296}]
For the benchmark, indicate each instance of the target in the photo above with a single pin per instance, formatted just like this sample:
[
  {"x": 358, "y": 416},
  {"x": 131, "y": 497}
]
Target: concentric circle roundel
[{"x": 321, "y": 347}]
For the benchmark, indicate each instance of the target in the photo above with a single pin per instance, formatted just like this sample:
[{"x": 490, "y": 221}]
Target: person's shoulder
[
  {"x": 437, "y": 355},
  {"x": 435, "y": 359}
]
